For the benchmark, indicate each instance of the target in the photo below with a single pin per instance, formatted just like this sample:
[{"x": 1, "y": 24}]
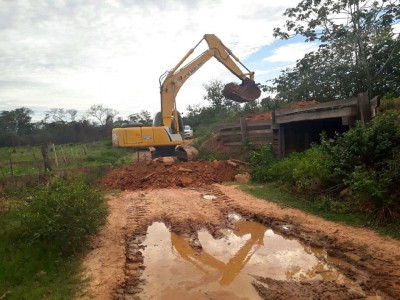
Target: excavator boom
[{"x": 165, "y": 136}]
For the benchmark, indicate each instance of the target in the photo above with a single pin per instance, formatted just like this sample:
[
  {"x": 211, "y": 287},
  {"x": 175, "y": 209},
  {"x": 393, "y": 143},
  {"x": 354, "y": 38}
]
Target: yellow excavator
[{"x": 165, "y": 137}]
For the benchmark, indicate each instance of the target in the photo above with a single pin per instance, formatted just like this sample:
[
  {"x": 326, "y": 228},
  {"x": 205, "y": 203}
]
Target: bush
[
  {"x": 62, "y": 214},
  {"x": 302, "y": 170},
  {"x": 261, "y": 162}
]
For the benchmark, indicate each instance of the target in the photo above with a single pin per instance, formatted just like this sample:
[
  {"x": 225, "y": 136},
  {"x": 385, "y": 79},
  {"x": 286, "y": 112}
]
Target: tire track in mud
[{"x": 145, "y": 207}]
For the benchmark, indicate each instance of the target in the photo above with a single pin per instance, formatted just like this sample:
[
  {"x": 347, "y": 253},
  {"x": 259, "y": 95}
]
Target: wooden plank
[
  {"x": 228, "y": 127},
  {"x": 259, "y": 131},
  {"x": 259, "y": 122},
  {"x": 223, "y": 133},
  {"x": 260, "y": 139},
  {"x": 233, "y": 144},
  {"x": 324, "y": 105},
  {"x": 317, "y": 115}
]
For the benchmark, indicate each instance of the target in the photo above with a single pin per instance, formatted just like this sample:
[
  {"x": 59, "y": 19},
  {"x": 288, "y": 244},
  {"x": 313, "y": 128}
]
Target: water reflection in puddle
[{"x": 224, "y": 268}]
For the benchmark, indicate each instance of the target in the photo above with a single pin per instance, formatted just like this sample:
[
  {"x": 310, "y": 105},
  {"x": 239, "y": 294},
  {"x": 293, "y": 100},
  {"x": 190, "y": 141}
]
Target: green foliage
[
  {"x": 144, "y": 117},
  {"x": 365, "y": 159},
  {"x": 390, "y": 102},
  {"x": 28, "y": 160},
  {"x": 367, "y": 185},
  {"x": 358, "y": 50},
  {"x": 40, "y": 236},
  {"x": 303, "y": 170},
  {"x": 261, "y": 162},
  {"x": 62, "y": 215}
]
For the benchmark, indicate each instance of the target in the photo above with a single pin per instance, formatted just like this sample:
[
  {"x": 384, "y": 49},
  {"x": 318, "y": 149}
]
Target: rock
[
  {"x": 185, "y": 181},
  {"x": 167, "y": 160},
  {"x": 345, "y": 192},
  {"x": 244, "y": 178},
  {"x": 231, "y": 163},
  {"x": 181, "y": 169}
]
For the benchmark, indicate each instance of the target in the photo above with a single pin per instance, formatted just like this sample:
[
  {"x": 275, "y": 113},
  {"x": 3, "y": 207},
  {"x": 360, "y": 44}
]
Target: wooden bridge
[{"x": 291, "y": 130}]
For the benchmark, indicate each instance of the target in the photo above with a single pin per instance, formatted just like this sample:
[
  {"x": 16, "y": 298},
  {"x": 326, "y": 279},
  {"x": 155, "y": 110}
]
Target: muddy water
[{"x": 225, "y": 267}]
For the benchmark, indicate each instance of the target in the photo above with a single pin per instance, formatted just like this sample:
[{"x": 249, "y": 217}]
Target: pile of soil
[
  {"x": 268, "y": 115},
  {"x": 260, "y": 116},
  {"x": 302, "y": 104},
  {"x": 159, "y": 174},
  {"x": 214, "y": 144}
]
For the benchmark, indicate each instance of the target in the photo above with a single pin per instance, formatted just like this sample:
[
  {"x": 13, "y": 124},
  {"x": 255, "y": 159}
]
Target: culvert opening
[{"x": 202, "y": 267}]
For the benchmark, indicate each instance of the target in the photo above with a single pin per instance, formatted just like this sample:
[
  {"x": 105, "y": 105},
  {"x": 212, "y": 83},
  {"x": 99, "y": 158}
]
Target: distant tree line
[{"x": 61, "y": 126}]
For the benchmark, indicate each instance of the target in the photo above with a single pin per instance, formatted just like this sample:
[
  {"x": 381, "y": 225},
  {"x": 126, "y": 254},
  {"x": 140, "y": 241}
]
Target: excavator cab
[{"x": 245, "y": 92}]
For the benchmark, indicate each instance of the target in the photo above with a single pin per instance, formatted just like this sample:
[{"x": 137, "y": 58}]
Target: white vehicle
[{"x": 188, "y": 132}]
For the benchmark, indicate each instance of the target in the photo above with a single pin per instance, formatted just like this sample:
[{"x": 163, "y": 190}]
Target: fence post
[
  {"x": 46, "y": 160},
  {"x": 55, "y": 154},
  {"x": 11, "y": 166},
  {"x": 63, "y": 155},
  {"x": 243, "y": 130}
]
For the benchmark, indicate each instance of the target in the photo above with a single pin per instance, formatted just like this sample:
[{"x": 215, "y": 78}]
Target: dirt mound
[
  {"x": 260, "y": 116},
  {"x": 268, "y": 115},
  {"x": 156, "y": 174},
  {"x": 301, "y": 104},
  {"x": 215, "y": 144}
]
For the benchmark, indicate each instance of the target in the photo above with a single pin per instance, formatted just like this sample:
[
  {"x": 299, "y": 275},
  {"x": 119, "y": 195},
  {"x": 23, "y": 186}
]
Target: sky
[{"x": 74, "y": 54}]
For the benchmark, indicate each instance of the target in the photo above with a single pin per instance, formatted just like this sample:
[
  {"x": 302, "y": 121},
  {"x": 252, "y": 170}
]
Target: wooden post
[
  {"x": 46, "y": 160},
  {"x": 282, "y": 151},
  {"x": 11, "y": 166},
  {"x": 55, "y": 154},
  {"x": 364, "y": 107},
  {"x": 63, "y": 154},
  {"x": 243, "y": 130}
]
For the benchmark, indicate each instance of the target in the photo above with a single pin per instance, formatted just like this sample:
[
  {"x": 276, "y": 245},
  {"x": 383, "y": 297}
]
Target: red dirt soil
[
  {"x": 154, "y": 175},
  {"x": 268, "y": 115}
]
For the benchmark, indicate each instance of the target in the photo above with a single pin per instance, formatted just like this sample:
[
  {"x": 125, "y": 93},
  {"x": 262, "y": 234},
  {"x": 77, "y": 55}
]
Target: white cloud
[
  {"x": 73, "y": 54},
  {"x": 291, "y": 52}
]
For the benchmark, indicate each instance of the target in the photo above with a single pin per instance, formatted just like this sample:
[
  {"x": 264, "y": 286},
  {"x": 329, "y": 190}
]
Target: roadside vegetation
[
  {"x": 357, "y": 174},
  {"x": 28, "y": 160},
  {"x": 43, "y": 231},
  {"x": 46, "y": 217}
]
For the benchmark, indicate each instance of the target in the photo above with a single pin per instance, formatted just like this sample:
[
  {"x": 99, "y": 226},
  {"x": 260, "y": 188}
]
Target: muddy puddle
[{"x": 178, "y": 267}]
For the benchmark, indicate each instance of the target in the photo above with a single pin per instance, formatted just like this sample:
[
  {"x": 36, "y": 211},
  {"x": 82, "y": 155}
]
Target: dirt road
[{"x": 211, "y": 241}]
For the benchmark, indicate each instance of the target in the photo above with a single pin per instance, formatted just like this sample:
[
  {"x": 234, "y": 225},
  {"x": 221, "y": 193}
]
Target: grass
[
  {"x": 40, "y": 248},
  {"x": 20, "y": 161},
  {"x": 327, "y": 208},
  {"x": 36, "y": 272}
]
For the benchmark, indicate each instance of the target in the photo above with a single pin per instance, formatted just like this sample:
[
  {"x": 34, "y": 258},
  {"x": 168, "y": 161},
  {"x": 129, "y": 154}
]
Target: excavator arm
[
  {"x": 164, "y": 137},
  {"x": 175, "y": 78}
]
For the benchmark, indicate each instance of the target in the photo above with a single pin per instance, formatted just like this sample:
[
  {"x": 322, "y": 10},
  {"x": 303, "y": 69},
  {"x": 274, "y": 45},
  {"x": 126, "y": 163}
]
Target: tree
[
  {"x": 101, "y": 113},
  {"x": 214, "y": 95},
  {"x": 357, "y": 45},
  {"x": 16, "y": 123},
  {"x": 143, "y": 117},
  {"x": 56, "y": 114},
  {"x": 72, "y": 114}
]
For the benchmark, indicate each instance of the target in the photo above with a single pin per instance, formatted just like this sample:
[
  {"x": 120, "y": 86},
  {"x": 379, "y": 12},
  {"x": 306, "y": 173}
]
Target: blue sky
[{"x": 73, "y": 54}]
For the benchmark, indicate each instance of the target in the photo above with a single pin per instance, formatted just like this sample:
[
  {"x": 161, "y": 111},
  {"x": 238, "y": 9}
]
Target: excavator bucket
[{"x": 245, "y": 92}]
